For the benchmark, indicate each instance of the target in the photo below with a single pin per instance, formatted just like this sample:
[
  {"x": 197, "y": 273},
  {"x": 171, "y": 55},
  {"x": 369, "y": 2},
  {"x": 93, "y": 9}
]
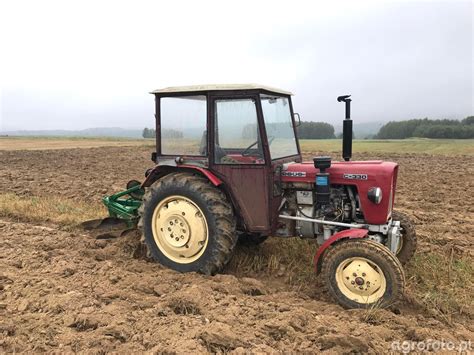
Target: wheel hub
[
  {"x": 176, "y": 231},
  {"x": 361, "y": 280},
  {"x": 180, "y": 229}
]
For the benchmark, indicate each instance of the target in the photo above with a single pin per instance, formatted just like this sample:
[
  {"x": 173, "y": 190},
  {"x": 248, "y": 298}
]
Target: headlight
[{"x": 375, "y": 195}]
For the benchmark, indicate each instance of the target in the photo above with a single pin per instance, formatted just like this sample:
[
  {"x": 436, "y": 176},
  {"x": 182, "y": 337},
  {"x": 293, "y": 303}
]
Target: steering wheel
[{"x": 245, "y": 153}]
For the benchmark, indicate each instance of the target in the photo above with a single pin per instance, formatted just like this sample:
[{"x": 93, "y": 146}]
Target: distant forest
[
  {"x": 315, "y": 130},
  {"x": 422, "y": 128},
  {"x": 307, "y": 130},
  {"x": 166, "y": 133},
  {"x": 426, "y": 128}
]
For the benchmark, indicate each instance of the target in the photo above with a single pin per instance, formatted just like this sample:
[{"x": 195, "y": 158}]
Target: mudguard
[
  {"x": 345, "y": 234},
  {"x": 162, "y": 170}
]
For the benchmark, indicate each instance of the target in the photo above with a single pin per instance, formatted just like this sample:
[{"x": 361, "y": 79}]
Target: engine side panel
[{"x": 363, "y": 175}]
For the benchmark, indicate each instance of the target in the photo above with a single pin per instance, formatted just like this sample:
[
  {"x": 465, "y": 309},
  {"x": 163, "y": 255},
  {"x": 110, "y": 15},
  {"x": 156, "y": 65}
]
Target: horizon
[
  {"x": 361, "y": 130},
  {"x": 141, "y": 128}
]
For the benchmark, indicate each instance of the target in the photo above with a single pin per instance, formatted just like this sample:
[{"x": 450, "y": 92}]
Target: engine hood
[
  {"x": 361, "y": 174},
  {"x": 340, "y": 171}
]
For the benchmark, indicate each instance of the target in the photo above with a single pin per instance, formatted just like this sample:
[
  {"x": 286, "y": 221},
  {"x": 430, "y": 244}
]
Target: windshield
[{"x": 279, "y": 126}]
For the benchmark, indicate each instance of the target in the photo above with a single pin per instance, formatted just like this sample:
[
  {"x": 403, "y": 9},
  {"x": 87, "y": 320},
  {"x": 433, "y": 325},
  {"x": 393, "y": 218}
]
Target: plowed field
[{"x": 61, "y": 289}]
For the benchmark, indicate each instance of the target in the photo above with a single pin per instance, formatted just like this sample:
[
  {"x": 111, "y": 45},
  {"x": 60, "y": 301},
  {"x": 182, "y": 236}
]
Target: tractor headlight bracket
[{"x": 394, "y": 234}]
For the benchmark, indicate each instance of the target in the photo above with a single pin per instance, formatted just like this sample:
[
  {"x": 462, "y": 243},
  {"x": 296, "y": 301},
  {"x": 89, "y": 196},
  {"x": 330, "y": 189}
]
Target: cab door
[
  {"x": 239, "y": 156},
  {"x": 280, "y": 131}
]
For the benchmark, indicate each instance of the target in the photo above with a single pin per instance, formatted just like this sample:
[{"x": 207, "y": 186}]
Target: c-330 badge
[
  {"x": 294, "y": 173},
  {"x": 356, "y": 176}
]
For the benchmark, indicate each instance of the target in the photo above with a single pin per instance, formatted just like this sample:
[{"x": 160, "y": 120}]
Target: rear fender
[
  {"x": 161, "y": 170},
  {"x": 335, "y": 238}
]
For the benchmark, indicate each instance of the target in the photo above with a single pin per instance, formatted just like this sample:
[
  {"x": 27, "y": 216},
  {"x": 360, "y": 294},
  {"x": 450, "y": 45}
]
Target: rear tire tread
[{"x": 217, "y": 204}]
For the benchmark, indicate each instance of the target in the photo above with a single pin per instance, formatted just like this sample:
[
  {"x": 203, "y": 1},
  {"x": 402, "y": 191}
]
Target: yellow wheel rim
[
  {"x": 180, "y": 229},
  {"x": 361, "y": 280}
]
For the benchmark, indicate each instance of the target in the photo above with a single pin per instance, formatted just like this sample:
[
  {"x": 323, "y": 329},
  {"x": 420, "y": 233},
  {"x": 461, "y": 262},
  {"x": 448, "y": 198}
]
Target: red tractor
[{"x": 229, "y": 166}]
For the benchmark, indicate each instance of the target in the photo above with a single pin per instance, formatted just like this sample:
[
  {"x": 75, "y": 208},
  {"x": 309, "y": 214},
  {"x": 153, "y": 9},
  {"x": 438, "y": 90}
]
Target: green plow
[{"x": 123, "y": 213}]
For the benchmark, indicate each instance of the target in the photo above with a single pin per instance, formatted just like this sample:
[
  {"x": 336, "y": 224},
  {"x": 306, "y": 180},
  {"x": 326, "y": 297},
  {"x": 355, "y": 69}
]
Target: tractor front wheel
[
  {"x": 362, "y": 274},
  {"x": 187, "y": 224}
]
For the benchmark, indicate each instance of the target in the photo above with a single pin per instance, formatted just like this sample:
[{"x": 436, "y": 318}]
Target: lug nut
[
  {"x": 171, "y": 223},
  {"x": 352, "y": 282},
  {"x": 169, "y": 229},
  {"x": 183, "y": 213},
  {"x": 354, "y": 274},
  {"x": 363, "y": 274}
]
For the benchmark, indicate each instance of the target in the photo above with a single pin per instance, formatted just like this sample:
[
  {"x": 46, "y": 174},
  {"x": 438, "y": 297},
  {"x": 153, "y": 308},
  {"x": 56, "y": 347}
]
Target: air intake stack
[
  {"x": 323, "y": 190},
  {"x": 346, "y": 129}
]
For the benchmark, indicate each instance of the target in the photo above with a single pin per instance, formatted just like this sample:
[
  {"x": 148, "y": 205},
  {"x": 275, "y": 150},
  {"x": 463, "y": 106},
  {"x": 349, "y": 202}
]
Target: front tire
[
  {"x": 408, "y": 239},
  {"x": 187, "y": 224},
  {"x": 362, "y": 274}
]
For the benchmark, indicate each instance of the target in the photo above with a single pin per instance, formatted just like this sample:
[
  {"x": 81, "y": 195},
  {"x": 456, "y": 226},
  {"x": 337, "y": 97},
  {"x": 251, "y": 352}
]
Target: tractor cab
[
  {"x": 241, "y": 134},
  {"x": 225, "y": 124}
]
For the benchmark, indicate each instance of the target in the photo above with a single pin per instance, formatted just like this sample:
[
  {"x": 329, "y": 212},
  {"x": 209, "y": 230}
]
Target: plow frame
[{"x": 124, "y": 208}]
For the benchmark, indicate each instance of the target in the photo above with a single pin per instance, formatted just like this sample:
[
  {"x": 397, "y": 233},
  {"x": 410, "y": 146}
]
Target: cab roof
[{"x": 219, "y": 87}]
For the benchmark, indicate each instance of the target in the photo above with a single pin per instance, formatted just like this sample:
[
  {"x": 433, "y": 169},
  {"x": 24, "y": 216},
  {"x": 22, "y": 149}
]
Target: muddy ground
[{"x": 64, "y": 290}]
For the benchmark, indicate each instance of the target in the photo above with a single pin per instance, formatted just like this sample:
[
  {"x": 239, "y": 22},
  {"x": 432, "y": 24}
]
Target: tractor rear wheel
[
  {"x": 187, "y": 224},
  {"x": 362, "y": 274},
  {"x": 408, "y": 240}
]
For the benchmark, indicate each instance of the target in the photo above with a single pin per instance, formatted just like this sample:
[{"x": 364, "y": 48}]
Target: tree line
[
  {"x": 315, "y": 130},
  {"x": 307, "y": 130},
  {"x": 423, "y": 128},
  {"x": 426, "y": 128},
  {"x": 166, "y": 133}
]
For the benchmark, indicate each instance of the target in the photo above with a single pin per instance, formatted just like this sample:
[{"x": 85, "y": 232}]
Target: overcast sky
[{"x": 80, "y": 64}]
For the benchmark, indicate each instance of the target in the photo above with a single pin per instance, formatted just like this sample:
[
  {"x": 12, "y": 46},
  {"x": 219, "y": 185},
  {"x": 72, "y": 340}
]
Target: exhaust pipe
[{"x": 346, "y": 129}]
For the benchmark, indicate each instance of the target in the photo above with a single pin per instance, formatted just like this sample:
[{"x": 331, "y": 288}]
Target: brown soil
[
  {"x": 65, "y": 290},
  {"x": 42, "y": 143}
]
